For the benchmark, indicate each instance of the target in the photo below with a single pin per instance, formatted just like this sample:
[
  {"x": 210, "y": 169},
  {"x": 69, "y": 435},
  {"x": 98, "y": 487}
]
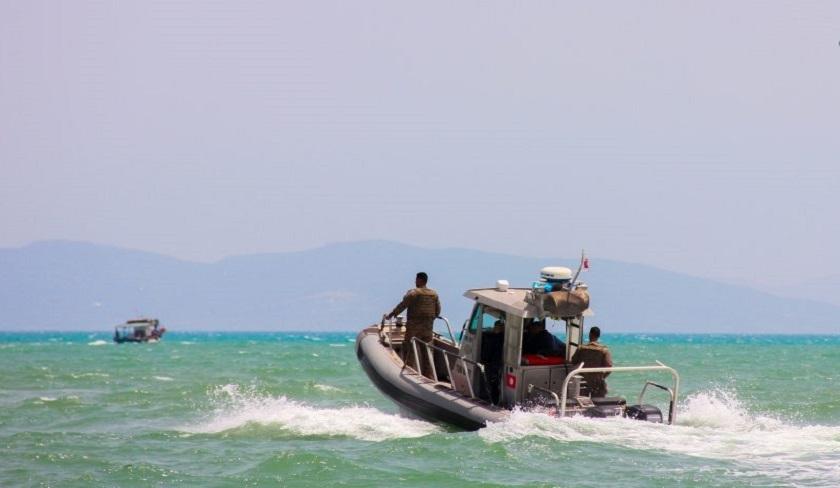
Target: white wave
[
  {"x": 326, "y": 388},
  {"x": 236, "y": 408},
  {"x": 49, "y": 399},
  {"x": 89, "y": 375},
  {"x": 163, "y": 378},
  {"x": 713, "y": 425},
  {"x": 100, "y": 342}
]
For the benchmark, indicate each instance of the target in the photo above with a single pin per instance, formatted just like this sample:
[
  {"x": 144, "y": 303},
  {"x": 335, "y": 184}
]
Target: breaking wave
[
  {"x": 57, "y": 401},
  {"x": 236, "y": 408},
  {"x": 76, "y": 376},
  {"x": 99, "y": 342},
  {"x": 711, "y": 424}
]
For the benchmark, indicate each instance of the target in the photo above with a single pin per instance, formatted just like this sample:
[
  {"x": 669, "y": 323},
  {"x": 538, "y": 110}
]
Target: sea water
[{"x": 295, "y": 409}]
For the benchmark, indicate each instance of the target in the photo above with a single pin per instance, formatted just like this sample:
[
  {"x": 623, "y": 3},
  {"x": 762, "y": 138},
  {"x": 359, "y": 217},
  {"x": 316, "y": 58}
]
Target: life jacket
[
  {"x": 423, "y": 305},
  {"x": 593, "y": 355}
]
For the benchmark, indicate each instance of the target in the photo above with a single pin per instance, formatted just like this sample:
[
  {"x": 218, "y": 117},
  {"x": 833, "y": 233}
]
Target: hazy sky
[{"x": 702, "y": 137}]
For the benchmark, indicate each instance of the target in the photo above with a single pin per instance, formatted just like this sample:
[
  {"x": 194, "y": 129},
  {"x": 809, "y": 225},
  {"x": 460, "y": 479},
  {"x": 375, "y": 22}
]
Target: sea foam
[
  {"x": 237, "y": 407},
  {"x": 711, "y": 424}
]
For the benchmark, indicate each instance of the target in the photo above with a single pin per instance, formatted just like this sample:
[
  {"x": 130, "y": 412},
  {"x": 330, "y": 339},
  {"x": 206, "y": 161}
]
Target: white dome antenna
[{"x": 554, "y": 274}]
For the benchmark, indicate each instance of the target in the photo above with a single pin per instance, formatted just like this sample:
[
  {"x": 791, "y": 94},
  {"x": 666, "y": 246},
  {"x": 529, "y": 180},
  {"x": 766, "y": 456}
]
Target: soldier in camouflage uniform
[
  {"x": 423, "y": 307},
  {"x": 594, "y": 355}
]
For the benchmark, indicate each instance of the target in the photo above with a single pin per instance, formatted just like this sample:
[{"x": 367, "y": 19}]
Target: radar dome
[{"x": 555, "y": 273}]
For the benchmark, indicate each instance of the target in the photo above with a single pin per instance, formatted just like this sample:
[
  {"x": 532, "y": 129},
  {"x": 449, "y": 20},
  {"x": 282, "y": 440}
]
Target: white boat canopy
[{"x": 512, "y": 301}]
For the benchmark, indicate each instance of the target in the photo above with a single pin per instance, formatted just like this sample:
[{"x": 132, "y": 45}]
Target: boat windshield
[
  {"x": 486, "y": 318},
  {"x": 140, "y": 331}
]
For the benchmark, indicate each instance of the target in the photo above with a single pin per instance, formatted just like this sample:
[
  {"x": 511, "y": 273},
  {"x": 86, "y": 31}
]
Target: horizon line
[{"x": 257, "y": 331}]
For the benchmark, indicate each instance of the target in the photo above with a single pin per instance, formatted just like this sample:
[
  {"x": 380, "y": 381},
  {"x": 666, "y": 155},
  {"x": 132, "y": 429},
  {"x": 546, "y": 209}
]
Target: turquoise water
[{"x": 262, "y": 409}]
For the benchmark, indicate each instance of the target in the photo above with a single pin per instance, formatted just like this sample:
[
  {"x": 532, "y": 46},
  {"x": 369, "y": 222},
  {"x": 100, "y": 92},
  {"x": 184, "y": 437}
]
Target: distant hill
[
  {"x": 78, "y": 286},
  {"x": 825, "y": 289}
]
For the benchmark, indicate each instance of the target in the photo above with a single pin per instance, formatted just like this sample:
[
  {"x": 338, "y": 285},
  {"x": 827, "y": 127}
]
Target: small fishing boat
[
  {"x": 484, "y": 374},
  {"x": 139, "y": 330}
]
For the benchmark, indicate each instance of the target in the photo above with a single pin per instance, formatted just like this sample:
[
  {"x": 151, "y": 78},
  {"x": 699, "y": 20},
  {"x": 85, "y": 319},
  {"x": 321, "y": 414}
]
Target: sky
[{"x": 699, "y": 137}]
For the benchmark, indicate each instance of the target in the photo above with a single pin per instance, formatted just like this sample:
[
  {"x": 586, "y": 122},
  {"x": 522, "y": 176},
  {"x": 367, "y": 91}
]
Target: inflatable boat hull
[{"x": 421, "y": 396}]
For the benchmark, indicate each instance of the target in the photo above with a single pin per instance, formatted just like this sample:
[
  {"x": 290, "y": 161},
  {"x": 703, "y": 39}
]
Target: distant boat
[{"x": 139, "y": 330}]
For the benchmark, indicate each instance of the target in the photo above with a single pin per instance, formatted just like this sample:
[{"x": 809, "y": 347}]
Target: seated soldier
[
  {"x": 537, "y": 340},
  {"x": 594, "y": 355}
]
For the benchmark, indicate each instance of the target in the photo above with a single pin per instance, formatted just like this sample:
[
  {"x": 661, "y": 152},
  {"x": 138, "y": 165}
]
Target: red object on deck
[{"x": 540, "y": 360}]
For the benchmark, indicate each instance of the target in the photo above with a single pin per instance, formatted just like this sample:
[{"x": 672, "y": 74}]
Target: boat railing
[
  {"x": 389, "y": 324},
  {"x": 546, "y": 391},
  {"x": 429, "y": 352},
  {"x": 388, "y": 340},
  {"x": 673, "y": 392},
  {"x": 449, "y": 329},
  {"x": 386, "y": 327}
]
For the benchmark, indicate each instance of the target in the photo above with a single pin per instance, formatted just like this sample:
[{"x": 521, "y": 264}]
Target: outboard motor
[
  {"x": 603, "y": 411},
  {"x": 648, "y": 413}
]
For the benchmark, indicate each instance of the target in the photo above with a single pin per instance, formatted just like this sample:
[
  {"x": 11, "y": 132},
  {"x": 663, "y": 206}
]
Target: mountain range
[{"x": 61, "y": 285}]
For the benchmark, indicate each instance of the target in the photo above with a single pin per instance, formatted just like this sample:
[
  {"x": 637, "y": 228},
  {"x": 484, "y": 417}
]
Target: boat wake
[
  {"x": 238, "y": 408},
  {"x": 712, "y": 424}
]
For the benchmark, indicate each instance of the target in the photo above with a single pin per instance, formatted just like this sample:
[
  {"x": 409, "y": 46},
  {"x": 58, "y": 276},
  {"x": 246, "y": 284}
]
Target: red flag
[{"x": 585, "y": 263}]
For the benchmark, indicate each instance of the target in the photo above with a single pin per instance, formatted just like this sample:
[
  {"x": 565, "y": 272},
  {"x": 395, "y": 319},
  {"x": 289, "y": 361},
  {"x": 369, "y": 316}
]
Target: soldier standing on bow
[{"x": 423, "y": 307}]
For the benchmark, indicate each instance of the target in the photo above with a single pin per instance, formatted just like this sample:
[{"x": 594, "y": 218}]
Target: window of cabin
[{"x": 485, "y": 317}]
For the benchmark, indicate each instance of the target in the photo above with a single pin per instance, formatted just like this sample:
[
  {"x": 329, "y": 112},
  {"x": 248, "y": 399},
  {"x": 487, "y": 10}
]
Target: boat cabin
[
  {"x": 497, "y": 336},
  {"x": 139, "y": 330}
]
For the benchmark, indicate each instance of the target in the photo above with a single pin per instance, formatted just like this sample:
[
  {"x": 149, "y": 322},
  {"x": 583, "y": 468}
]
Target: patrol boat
[
  {"x": 139, "y": 330},
  {"x": 483, "y": 375}
]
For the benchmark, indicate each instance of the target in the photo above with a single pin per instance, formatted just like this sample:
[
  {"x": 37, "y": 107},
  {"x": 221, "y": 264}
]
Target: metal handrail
[
  {"x": 449, "y": 328},
  {"x": 547, "y": 391},
  {"x": 446, "y": 355},
  {"x": 660, "y": 367},
  {"x": 387, "y": 334},
  {"x": 385, "y": 321},
  {"x": 671, "y": 406}
]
